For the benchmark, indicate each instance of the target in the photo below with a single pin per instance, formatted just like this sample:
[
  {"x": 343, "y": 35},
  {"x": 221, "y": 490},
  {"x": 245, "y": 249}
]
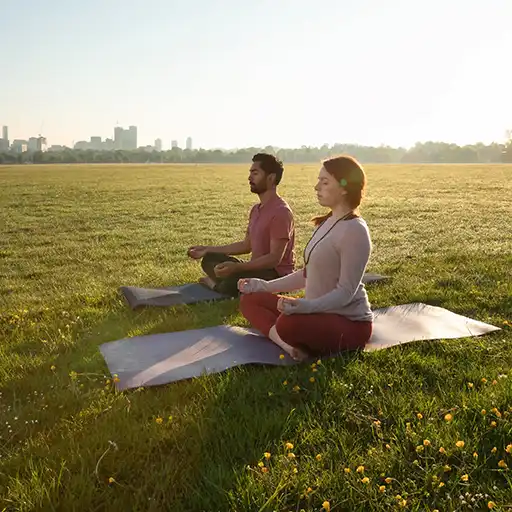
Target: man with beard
[{"x": 269, "y": 238}]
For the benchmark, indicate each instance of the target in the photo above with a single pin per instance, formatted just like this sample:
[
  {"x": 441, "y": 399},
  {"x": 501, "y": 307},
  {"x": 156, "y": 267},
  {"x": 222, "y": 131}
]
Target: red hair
[{"x": 349, "y": 173}]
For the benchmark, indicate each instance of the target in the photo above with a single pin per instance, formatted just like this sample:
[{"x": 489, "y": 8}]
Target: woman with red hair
[{"x": 335, "y": 313}]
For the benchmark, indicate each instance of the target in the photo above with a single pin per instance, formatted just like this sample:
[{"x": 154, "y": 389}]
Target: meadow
[{"x": 423, "y": 427}]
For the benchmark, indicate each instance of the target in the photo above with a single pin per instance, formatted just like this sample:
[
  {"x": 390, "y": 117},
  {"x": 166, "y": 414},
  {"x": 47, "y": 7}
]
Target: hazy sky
[{"x": 234, "y": 73}]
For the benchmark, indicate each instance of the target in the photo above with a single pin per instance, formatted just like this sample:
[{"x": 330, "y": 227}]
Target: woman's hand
[
  {"x": 252, "y": 285},
  {"x": 290, "y": 305}
]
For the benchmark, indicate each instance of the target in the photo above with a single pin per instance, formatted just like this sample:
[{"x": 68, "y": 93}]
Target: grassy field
[{"x": 429, "y": 422}]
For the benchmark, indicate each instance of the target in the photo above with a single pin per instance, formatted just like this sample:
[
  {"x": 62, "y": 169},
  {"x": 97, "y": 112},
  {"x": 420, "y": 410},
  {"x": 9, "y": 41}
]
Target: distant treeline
[{"x": 427, "y": 152}]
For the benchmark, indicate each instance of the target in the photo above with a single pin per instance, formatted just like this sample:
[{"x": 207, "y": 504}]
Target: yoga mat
[
  {"x": 163, "y": 358},
  {"x": 188, "y": 294}
]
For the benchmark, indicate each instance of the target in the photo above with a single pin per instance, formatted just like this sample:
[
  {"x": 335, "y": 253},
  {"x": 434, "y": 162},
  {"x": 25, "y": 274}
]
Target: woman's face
[{"x": 328, "y": 191}]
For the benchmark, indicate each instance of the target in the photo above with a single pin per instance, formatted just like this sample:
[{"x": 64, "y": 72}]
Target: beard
[{"x": 258, "y": 188}]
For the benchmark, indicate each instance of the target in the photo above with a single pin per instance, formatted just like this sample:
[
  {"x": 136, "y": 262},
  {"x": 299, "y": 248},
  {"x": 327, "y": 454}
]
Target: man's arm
[{"x": 243, "y": 247}]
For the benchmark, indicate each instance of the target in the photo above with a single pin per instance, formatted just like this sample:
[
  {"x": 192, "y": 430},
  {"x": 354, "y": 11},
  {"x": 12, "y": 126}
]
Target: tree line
[{"x": 422, "y": 152}]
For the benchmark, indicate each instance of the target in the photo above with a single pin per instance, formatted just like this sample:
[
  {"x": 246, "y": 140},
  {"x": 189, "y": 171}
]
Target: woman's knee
[{"x": 249, "y": 301}]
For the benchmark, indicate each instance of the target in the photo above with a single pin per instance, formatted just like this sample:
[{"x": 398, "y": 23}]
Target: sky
[{"x": 236, "y": 73}]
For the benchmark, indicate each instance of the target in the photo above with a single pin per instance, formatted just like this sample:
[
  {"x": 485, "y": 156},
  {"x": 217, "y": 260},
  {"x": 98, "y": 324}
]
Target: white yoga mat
[{"x": 163, "y": 358}]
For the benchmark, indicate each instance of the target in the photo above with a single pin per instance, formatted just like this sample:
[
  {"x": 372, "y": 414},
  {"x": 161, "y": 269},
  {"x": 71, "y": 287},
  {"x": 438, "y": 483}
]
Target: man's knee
[{"x": 209, "y": 260}]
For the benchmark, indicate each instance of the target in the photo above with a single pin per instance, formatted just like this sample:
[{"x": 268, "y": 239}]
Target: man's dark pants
[{"x": 229, "y": 285}]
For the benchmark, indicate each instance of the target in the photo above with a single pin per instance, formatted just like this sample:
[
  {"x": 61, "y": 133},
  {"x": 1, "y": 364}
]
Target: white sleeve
[
  {"x": 289, "y": 283},
  {"x": 355, "y": 252}
]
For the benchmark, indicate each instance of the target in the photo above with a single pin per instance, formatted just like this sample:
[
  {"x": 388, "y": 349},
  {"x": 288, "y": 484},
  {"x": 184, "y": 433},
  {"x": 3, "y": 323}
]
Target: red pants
[{"x": 317, "y": 334}]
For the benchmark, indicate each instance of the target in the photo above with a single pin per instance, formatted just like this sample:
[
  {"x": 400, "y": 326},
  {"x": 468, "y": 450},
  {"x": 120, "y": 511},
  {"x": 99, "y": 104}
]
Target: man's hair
[{"x": 270, "y": 165}]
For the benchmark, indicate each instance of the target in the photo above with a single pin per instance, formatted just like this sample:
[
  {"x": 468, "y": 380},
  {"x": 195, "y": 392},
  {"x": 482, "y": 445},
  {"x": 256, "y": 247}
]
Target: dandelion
[
  {"x": 484, "y": 380},
  {"x": 494, "y": 450},
  {"x": 491, "y": 505},
  {"x": 111, "y": 480},
  {"x": 496, "y": 412},
  {"x": 464, "y": 478},
  {"x": 508, "y": 449},
  {"x": 260, "y": 464},
  {"x": 470, "y": 385},
  {"x": 264, "y": 470},
  {"x": 382, "y": 488},
  {"x": 296, "y": 388},
  {"x": 281, "y": 356},
  {"x": 493, "y": 424},
  {"x": 289, "y": 446},
  {"x": 388, "y": 447},
  {"x": 447, "y": 468},
  {"x": 116, "y": 379},
  {"x": 312, "y": 379},
  {"x": 52, "y": 368},
  {"x": 291, "y": 455},
  {"x": 426, "y": 442},
  {"x": 459, "y": 444},
  {"x": 266, "y": 455},
  {"x": 326, "y": 506},
  {"x": 388, "y": 480},
  {"x": 313, "y": 366},
  {"x": 419, "y": 416},
  {"x": 494, "y": 382},
  {"x": 159, "y": 420},
  {"x": 319, "y": 362},
  {"x": 502, "y": 464},
  {"x": 377, "y": 423},
  {"x": 420, "y": 449},
  {"x": 360, "y": 469},
  {"x": 441, "y": 484},
  {"x": 315, "y": 369},
  {"x": 442, "y": 450},
  {"x": 448, "y": 417},
  {"x": 347, "y": 470},
  {"x": 285, "y": 383},
  {"x": 365, "y": 480},
  {"x": 318, "y": 457},
  {"x": 475, "y": 455},
  {"x": 403, "y": 503},
  {"x": 484, "y": 412}
]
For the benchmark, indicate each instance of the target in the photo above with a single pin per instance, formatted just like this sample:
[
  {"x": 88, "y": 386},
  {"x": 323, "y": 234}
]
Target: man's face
[{"x": 258, "y": 180}]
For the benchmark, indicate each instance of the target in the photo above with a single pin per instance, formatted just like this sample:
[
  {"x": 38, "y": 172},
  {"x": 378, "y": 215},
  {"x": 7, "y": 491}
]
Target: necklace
[{"x": 348, "y": 216}]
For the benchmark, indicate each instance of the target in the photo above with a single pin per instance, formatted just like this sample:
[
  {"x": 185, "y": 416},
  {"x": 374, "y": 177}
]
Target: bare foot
[{"x": 208, "y": 282}]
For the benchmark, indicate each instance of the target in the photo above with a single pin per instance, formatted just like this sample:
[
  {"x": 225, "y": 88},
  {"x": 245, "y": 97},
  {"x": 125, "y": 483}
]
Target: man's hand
[
  {"x": 225, "y": 269},
  {"x": 197, "y": 251}
]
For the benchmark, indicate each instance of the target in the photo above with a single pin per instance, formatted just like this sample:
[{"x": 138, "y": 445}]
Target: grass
[{"x": 70, "y": 236}]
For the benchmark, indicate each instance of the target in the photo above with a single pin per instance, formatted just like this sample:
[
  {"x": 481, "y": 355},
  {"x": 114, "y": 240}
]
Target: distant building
[
  {"x": 19, "y": 146},
  {"x": 174, "y": 144},
  {"x": 189, "y": 142},
  {"x": 5, "y": 134},
  {"x": 4, "y": 145},
  {"x": 125, "y": 139},
  {"x": 81, "y": 144},
  {"x": 56, "y": 148},
  {"x": 158, "y": 144},
  {"x": 96, "y": 143},
  {"x": 36, "y": 144}
]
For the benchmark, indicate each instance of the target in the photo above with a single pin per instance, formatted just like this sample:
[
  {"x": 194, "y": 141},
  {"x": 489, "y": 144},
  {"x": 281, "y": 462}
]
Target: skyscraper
[
  {"x": 174, "y": 144},
  {"x": 189, "y": 142},
  {"x": 131, "y": 137},
  {"x": 118, "y": 137},
  {"x": 5, "y": 134},
  {"x": 158, "y": 144}
]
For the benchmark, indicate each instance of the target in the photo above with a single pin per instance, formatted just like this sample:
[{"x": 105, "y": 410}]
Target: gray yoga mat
[
  {"x": 163, "y": 358},
  {"x": 188, "y": 294}
]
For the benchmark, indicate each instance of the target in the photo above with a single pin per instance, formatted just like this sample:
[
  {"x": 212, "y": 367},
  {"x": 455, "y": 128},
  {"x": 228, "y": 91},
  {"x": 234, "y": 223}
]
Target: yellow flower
[
  {"x": 312, "y": 379},
  {"x": 442, "y": 450},
  {"x": 347, "y": 470},
  {"x": 494, "y": 382},
  {"x": 326, "y": 506},
  {"x": 159, "y": 420},
  {"x": 319, "y": 362},
  {"x": 441, "y": 484},
  {"x": 285, "y": 383},
  {"x": 52, "y": 367},
  {"x": 116, "y": 379},
  {"x": 108, "y": 382},
  {"x": 502, "y": 464},
  {"x": 493, "y": 424},
  {"x": 496, "y": 412},
  {"x": 291, "y": 455},
  {"x": 315, "y": 369},
  {"x": 470, "y": 385},
  {"x": 491, "y": 504},
  {"x": 484, "y": 380},
  {"x": 296, "y": 388},
  {"x": 484, "y": 412},
  {"x": 308, "y": 490},
  {"x": 266, "y": 455},
  {"x": 111, "y": 480},
  {"x": 388, "y": 480},
  {"x": 260, "y": 464},
  {"x": 460, "y": 444},
  {"x": 365, "y": 480},
  {"x": 318, "y": 457},
  {"x": 289, "y": 446},
  {"x": 475, "y": 455},
  {"x": 281, "y": 356},
  {"x": 426, "y": 442},
  {"x": 447, "y": 468},
  {"x": 508, "y": 449},
  {"x": 464, "y": 478},
  {"x": 264, "y": 470},
  {"x": 377, "y": 423},
  {"x": 313, "y": 365},
  {"x": 448, "y": 417},
  {"x": 360, "y": 469},
  {"x": 295, "y": 470},
  {"x": 403, "y": 503},
  {"x": 388, "y": 447},
  {"x": 419, "y": 416},
  {"x": 494, "y": 450}
]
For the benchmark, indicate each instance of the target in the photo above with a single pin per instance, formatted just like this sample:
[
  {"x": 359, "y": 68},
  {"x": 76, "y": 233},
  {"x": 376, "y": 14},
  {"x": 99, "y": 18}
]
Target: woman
[{"x": 335, "y": 313}]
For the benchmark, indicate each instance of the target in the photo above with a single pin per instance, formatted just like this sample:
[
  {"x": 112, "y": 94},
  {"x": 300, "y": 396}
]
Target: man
[{"x": 270, "y": 236}]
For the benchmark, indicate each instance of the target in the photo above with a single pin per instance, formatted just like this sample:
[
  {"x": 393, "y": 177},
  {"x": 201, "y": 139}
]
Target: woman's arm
[{"x": 289, "y": 283}]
